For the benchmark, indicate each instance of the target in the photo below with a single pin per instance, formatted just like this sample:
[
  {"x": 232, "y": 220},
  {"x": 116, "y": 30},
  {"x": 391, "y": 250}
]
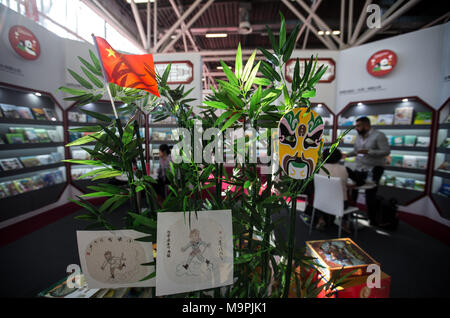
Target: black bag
[{"x": 387, "y": 213}]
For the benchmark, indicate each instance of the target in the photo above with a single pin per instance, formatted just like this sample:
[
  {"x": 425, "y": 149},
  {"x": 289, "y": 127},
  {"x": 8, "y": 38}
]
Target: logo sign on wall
[
  {"x": 381, "y": 63},
  {"x": 24, "y": 42},
  {"x": 181, "y": 72},
  {"x": 300, "y": 142},
  {"x": 328, "y": 77}
]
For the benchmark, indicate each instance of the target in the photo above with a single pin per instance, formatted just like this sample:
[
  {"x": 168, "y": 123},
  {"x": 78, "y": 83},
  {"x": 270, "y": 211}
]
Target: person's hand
[{"x": 362, "y": 152}]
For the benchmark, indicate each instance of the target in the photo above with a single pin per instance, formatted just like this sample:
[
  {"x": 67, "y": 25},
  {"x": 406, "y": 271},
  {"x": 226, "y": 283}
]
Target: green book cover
[
  {"x": 397, "y": 160},
  {"x": 398, "y": 140},
  {"x": 410, "y": 140},
  {"x": 423, "y": 118}
]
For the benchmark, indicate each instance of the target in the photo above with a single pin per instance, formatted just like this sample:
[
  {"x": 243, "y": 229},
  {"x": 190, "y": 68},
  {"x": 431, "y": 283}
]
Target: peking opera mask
[{"x": 300, "y": 142}]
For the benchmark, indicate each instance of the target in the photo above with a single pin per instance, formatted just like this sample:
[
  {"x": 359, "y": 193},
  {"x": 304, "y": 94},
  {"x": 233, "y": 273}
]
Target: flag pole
[{"x": 105, "y": 77}]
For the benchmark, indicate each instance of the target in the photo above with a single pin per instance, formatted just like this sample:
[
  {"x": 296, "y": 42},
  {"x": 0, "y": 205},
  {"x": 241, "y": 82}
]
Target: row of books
[
  {"x": 8, "y": 164},
  {"x": 42, "y": 180},
  {"x": 79, "y": 171},
  {"x": 74, "y": 135},
  {"x": 445, "y": 143},
  {"x": 80, "y": 154},
  {"x": 407, "y": 140},
  {"x": 445, "y": 166},
  {"x": 406, "y": 161},
  {"x": 404, "y": 183},
  {"x": 62, "y": 290},
  {"x": 78, "y": 117},
  {"x": 13, "y": 111},
  {"x": 21, "y": 135},
  {"x": 402, "y": 116},
  {"x": 444, "y": 190},
  {"x": 157, "y": 135}
]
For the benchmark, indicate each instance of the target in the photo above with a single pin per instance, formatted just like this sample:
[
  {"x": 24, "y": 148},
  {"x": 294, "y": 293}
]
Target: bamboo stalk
[{"x": 291, "y": 244}]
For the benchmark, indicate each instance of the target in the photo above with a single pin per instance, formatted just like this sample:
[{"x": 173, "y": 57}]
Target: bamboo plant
[{"x": 262, "y": 267}]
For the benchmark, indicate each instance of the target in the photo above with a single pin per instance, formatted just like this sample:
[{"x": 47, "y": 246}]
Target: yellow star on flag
[{"x": 111, "y": 52}]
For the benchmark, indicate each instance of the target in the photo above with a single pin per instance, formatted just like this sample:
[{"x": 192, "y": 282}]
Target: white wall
[{"x": 418, "y": 70}]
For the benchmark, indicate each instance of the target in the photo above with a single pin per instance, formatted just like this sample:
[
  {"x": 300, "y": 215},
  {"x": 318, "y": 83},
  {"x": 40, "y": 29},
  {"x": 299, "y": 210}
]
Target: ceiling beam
[
  {"x": 350, "y": 20},
  {"x": 436, "y": 21},
  {"x": 371, "y": 32},
  {"x": 188, "y": 33},
  {"x": 149, "y": 31},
  {"x": 319, "y": 21},
  {"x": 314, "y": 8},
  {"x": 359, "y": 24},
  {"x": 140, "y": 27},
  {"x": 155, "y": 24},
  {"x": 328, "y": 44},
  {"x": 192, "y": 21},
  {"x": 176, "y": 25},
  {"x": 342, "y": 22}
]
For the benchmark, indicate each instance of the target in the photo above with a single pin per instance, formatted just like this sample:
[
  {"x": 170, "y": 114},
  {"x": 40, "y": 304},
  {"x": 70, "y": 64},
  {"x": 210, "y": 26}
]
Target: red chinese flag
[{"x": 126, "y": 70}]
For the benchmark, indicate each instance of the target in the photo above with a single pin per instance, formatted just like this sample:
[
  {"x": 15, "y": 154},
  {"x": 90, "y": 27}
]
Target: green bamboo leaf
[
  {"x": 152, "y": 275},
  {"x": 274, "y": 45},
  {"x": 86, "y": 129},
  {"x": 256, "y": 98},
  {"x": 95, "y": 61},
  {"x": 80, "y": 80},
  {"x": 141, "y": 219},
  {"x": 128, "y": 134},
  {"x": 215, "y": 104},
  {"x": 233, "y": 90},
  {"x": 166, "y": 74},
  {"x": 261, "y": 81},
  {"x": 97, "y": 194},
  {"x": 222, "y": 117},
  {"x": 107, "y": 174},
  {"x": 90, "y": 67},
  {"x": 83, "y": 140},
  {"x": 252, "y": 76},
  {"x": 72, "y": 91},
  {"x": 229, "y": 74},
  {"x": 92, "y": 173},
  {"x": 92, "y": 77},
  {"x": 282, "y": 39},
  {"x": 248, "y": 66},
  {"x": 113, "y": 89},
  {"x": 273, "y": 59},
  {"x": 271, "y": 70},
  {"x": 86, "y": 217},
  {"x": 108, "y": 203},
  {"x": 86, "y": 205},
  {"x": 231, "y": 121},
  {"x": 290, "y": 44},
  {"x": 296, "y": 78},
  {"x": 309, "y": 94},
  {"x": 238, "y": 63}
]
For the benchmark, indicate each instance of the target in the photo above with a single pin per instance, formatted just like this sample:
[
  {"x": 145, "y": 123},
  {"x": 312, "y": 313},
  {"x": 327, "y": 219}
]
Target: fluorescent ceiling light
[
  {"x": 404, "y": 100},
  {"x": 216, "y": 35},
  {"x": 140, "y": 1},
  {"x": 320, "y": 33}
]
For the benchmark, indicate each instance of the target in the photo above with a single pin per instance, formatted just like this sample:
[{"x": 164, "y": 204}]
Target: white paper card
[
  {"x": 112, "y": 259},
  {"x": 196, "y": 257}
]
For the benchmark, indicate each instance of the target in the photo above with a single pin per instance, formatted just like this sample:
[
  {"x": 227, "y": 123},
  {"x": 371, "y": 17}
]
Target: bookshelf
[
  {"x": 407, "y": 167},
  {"x": 440, "y": 187},
  {"x": 31, "y": 149},
  {"x": 328, "y": 116}
]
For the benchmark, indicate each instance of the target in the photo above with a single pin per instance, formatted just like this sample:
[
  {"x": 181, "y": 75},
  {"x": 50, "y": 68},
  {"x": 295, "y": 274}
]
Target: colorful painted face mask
[{"x": 300, "y": 142}]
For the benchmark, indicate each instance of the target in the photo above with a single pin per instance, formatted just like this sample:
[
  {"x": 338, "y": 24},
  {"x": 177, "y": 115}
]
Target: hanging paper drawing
[
  {"x": 193, "y": 256},
  {"x": 113, "y": 259},
  {"x": 300, "y": 142}
]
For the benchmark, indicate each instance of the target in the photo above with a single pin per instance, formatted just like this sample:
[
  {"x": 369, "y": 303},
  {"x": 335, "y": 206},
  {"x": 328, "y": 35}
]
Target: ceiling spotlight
[
  {"x": 336, "y": 32},
  {"x": 320, "y": 33},
  {"x": 38, "y": 94},
  {"x": 360, "y": 104},
  {"x": 404, "y": 100},
  {"x": 319, "y": 105},
  {"x": 216, "y": 35},
  {"x": 327, "y": 32},
  {"x": 219, "y": 67}
]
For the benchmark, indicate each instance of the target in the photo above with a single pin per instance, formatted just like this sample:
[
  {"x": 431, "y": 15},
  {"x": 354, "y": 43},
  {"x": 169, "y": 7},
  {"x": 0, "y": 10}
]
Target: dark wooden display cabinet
[
  {"x": 441, "y": 163},
  {"x": 421, "y": 175},
  {"x": 31, "y": 200}
]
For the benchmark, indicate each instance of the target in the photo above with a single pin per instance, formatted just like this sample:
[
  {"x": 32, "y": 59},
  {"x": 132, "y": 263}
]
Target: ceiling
[{"x": 224, "y": 17}]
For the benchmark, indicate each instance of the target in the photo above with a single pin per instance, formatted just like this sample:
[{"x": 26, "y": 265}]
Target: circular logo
[
  {"x": 381, "y": 63},
  {"x": 24, "y": 42},
  {"x": 300, "y": 142}
]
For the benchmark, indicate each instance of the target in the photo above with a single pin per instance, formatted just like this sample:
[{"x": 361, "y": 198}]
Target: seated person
[
  {"x": 164, "y": 164},
  {"x": 336, "y": 170}
]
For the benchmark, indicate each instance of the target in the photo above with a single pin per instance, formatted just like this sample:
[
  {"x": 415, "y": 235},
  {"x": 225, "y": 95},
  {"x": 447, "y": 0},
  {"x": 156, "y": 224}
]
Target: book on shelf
[
  {"x": 42, "y": 135},
  {"x": 45, "y": 159},
  {"x": 10, "y": 111},
  {"x": 347, "y": 121},
  {"x": 444, "y": 189},
  {"x": 57, "y": 156},
  {"x": 403, "y": 115},
  {"x": 410, "y": 141},
  {"x": 373, "y": 119},
  {"x": 422, "y": 141},
  {"x": 385, "y": 119},
  {"x": 396, "y": 160},
  {"x": 445, "y": 166},
  {"x": 10, "y": 164},
  {"x": 349, "y": 139},
  {"x": 409, "y": 183},
  {"x": 421, "y": 162},
  {"x": 50, "y": 114},
  {"x": 54, "y": 135},
  {"x": 3, "y": 191},
  {"x": 328, "y": 121},
  {"x": 30, "y": 161},
  {"x": 38, "y": 182},
  {"x": 25, "y": 112},
  {"x": 31, "y": 135},
  {"x": 409, "y": 161},
  {"x": 77, "y": 117},
  {"x": 419, "y": 185},
  {"x": 24, "y": 185},
  {"x": 11, "y": 188},
  {"x": 446, "y": 143},
  {"x": 15, "y": 138},
  {"x": 39, "y": 113},
  {"x": 423, "y": 118},
  {"x": 397, "y": 140},
  {"x": 80, "y": 154}
]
